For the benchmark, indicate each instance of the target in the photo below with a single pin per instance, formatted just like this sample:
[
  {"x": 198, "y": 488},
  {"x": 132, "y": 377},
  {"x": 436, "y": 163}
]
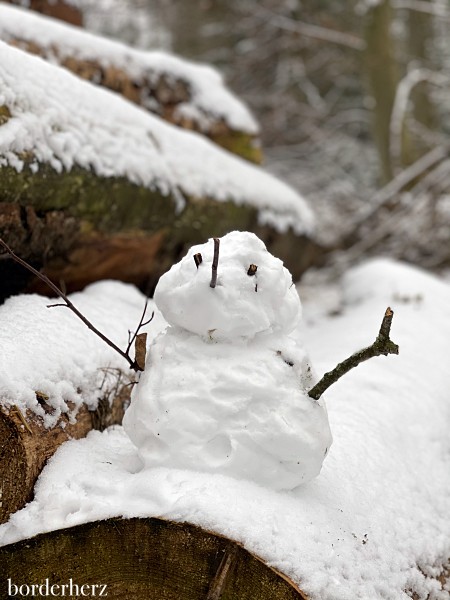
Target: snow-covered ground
[
  {"x": 60, "y": 40},
  {"x": 374, "y": 522},
  {"x": 61, "y": 120}
]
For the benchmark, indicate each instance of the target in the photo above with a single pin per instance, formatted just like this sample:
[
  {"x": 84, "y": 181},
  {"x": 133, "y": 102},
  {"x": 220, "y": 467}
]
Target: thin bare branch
[
  {"x": 69, "y": 304},
  {"x": 383, "y": 345},
  {"x": 139, "y": 327}
]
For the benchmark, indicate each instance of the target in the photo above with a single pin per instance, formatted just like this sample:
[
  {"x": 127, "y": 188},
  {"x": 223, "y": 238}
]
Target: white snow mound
[
  {"x": 235, "y": 401},
  {"x": 240, "y": 305}
]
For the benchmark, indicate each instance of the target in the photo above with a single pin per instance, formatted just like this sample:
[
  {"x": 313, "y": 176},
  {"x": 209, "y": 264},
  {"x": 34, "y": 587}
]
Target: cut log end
[
  {"x": 146, "y": 558},
  {"x": 26, "y": 445}
]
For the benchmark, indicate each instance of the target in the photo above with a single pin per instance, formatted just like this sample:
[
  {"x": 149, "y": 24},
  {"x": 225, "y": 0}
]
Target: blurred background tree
[{"x": 352, "y": 97}]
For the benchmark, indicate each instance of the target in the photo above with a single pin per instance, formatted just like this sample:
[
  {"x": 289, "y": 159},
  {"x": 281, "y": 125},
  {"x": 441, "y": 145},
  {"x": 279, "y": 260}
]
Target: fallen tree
[
  {"x": 144, "y": 558},
  {"x": 190, "y": 96},
  {"x": 92, "y": 187}
]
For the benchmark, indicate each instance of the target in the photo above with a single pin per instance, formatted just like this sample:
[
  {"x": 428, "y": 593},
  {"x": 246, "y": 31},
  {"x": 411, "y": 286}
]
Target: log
[
  {"x": 141, "y": 81},
  {"x": 80, "y": 228},
  {"x": 142, "y": 559},
  {"x": 26, "y": 445},
  {"x": 58, "y": 9},
  {"x": 95, "y": 188}
]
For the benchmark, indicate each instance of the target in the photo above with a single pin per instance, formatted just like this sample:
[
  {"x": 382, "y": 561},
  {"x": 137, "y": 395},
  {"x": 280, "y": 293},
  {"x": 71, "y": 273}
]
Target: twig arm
[{"x": 383, "y": 345}]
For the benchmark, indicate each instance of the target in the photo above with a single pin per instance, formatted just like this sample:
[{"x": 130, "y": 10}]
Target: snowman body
[{"x": 225, "y": 386}]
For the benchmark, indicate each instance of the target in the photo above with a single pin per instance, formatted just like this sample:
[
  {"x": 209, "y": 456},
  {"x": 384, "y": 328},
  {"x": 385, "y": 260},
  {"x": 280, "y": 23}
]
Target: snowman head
[{"x": 253, "y": 294}]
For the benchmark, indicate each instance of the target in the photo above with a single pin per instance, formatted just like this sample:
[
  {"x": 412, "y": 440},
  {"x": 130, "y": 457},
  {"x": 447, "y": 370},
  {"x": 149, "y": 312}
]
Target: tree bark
[
  {"x": 145, "y": 558},
  {"x": 26, "y": 445},
  {"x": 80, "y": 228},
  {"x": 382, "y": 77}
]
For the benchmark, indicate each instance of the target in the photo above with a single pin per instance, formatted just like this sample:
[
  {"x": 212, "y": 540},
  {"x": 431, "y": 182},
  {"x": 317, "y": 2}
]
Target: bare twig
[
  {"x": 215, "y": 263},
  {"x": 383, "y": 345},
  {"x": 141, "y": 324},
  {"x": 198, "y": 259},
  {"x": 133, "y": 364}
]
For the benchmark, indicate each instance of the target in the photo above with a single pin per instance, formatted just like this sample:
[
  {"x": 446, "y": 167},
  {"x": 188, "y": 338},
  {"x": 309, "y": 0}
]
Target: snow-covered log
[
  {"x": 97, "y": 188},
  {"x": 141, "y": 559},
  {"x": 189, "y": 95},
  {"x": 58, "y": 380},
  {"x": 26, "y": 444}
]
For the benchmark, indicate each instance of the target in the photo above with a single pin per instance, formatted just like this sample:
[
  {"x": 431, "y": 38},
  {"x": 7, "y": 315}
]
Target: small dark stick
[
  {"x": 383, "y": 345},
  {"x": 198, "y": 259},
  {"x": 252, "y": 270},
  {"x": 215, "y": 263}
]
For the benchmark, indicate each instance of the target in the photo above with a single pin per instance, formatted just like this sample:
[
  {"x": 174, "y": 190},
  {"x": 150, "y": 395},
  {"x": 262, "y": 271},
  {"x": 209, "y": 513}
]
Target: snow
[
  {"x": 240, "y": 305},
  {"x": 65, "y": 121},
  {"x": 61, "y": 41},
  {"x": 227, "y": 393},
  {"x": 373, "y": 522},
  {"x": 53, "y": 352}
]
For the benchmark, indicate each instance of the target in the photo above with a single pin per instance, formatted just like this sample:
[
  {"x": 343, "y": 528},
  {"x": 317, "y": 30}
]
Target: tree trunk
[
  {"x": 382, "y": 77},
  {"x": 26, "y": 445},
  {"x": 144, "y": 559},
  {"x": 420, "y": 34}
]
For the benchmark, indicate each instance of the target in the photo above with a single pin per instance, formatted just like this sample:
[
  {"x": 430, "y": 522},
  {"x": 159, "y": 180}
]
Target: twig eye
[
  {"x": 198, "y": 259},
  {"x": 252, "y": 270}
]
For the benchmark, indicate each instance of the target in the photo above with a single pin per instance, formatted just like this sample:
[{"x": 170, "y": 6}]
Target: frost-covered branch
[
  {"x": 383, "y": 345},
  {"x": 430, "y": 8},
  {"x": 313, "y": 31},
  {"x": 402, "y": 96},
  {"x": 67, "y": 302}
]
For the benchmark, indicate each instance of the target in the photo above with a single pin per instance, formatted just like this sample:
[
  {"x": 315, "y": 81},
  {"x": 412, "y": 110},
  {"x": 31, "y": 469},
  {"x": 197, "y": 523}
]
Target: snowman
[{"x": 225, "y": 386}]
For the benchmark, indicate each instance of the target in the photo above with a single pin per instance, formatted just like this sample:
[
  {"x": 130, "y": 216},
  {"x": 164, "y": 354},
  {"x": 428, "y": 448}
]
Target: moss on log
[
  {"x": 26, "y": 445},
  {"x": 82, "y": 228},
  {"x": 144, "y": 559}
]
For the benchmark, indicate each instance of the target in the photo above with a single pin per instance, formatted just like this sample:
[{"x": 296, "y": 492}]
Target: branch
[
  {"x": 67, "y": 302},
  {"x": 313, "y": 31},
  {"x": 383, "y": 345},
  {"x": 400, "y": 106},
  {"x": 429, "y": 8},
  {"x": 215, "y": 263}
]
